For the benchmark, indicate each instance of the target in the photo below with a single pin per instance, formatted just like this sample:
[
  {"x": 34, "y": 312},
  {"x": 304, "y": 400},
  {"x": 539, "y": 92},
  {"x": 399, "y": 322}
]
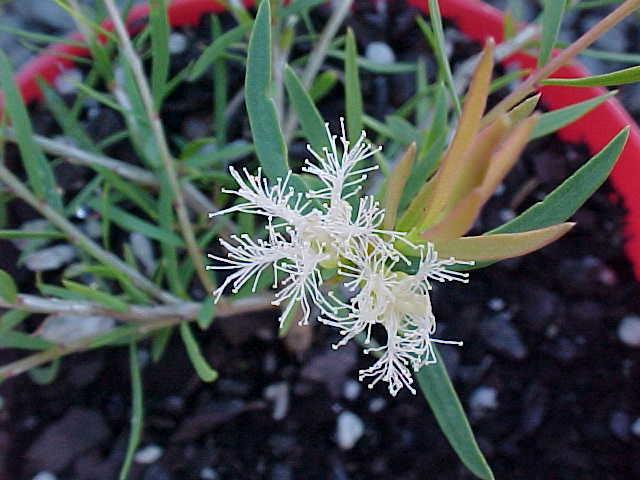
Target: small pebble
[
  {"x": 45, "y": 476},
  {"x": 377, "y": 404},
  {"x": 619, "y": 424},
  {"x": 629, "y": 331},
  {"x": 50, "y": 258},
  {"x": 177, "y": 43},
  {"x": 483, "y": 398},
  {"x": 208, "y": 473},
  {"x": 351, "y": 389},
  {"x": 148, "y": 454},
  {"x": 380, "y": 52},
  {"x": 142, "y": 248},
  {"x": 349, "y": 430},
  {"x": 496, "y": 304},
  {"x": 67, "y": 82},
  {"x": 635, "y": 427},
  {"x": 278, "y": 393},
  {"x": 506, "y": 214}
]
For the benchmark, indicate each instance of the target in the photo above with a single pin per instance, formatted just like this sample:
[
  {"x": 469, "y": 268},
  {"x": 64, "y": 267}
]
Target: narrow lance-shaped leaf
[
  {"x": 310, "y": 118},
  {"x": 563, "y": 202},
  {"x": 440, "y": 51},
  {"x": 39, "y": 171},
  {"x": 216, "y": 49},
  {"x": 552, "y": 13},
  {"x": 263, "y": 118},
  {"x": 159, "y": 24},
  {"x": 555, "y": 120},
  {"x": 137, "y": 411},
  {"x": 472, "y": 111},
  {"x": 436, "y": 387},
  {"x": 204, "y": 371},
  {"x": 8, "y": 289},
  {"x": 620, "y": 77},
  {"x": 501, "y": 246},
  {"x": 353, "y": 92},
  {"x": 396, "y": 184}
]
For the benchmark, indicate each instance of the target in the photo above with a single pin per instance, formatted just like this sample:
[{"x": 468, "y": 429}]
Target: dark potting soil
[{"x": 551, "y": 391}]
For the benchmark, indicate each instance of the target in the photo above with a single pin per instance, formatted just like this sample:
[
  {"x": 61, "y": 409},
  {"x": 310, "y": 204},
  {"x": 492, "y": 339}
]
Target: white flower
[
  {"x": 300, "y": 237},
  {"x": 303, "y": 237}
]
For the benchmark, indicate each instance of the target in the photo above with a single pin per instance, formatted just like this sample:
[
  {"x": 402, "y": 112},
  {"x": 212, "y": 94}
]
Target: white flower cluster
[{"x": 319, "y": 230}]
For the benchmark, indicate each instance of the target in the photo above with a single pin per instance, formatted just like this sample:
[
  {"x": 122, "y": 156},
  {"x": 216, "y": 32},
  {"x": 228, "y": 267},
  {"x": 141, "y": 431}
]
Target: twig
[
  {"x": 134, "y": 313},
  {"x": 161, "y": 143},
  {"x": 562, "y": 58},
  {"x": 245, "y": 306},
  {"x": 317, "y": 57},
  {"x": 75, "y": 236}
]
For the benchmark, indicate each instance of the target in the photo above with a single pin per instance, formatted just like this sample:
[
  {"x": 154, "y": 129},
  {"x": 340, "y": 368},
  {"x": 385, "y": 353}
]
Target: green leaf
[
  {"x": 160, "y": 342},
  {"x": 47, "y": 374},
  {"x": 207, "y": 158},
  {"x": 12, "y": 318},
  {"x": 552, "y": 121},
  {"x": 137, "y": 411},
  {"x": 563, "y": 202},
  {"x": 552, "y": 13},
  {"x": 263, "y": 118},
  {"x": 159, "y": 24},
  {"x": 440, "y": 50},
  {"x": 38, "y": 168},
  {"x": 204, "y": 371},
  {"x": 444, "y": 402},
  {"x": 132, "y": 223},
  {"x": 217, "y": 48},
  {"x": 310, "y": 118},
  {"x": 352, "y": 90},
  {"x": 619, "y": 77},
  {"x": 207, "y": 313},
  {"x": 23, "y": 341},
  {"x": 8, "y": 288},
  {"x": 323, "y": 84},
  {"x": 103, "y": 298}
]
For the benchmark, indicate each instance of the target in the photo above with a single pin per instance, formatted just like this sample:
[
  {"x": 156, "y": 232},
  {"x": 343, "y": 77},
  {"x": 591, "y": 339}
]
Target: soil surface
[{"x": 551, "y": 389}]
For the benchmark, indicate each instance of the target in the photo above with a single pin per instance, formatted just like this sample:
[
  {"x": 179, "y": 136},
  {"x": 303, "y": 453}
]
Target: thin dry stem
[
  {"x": 76, "y": 237},
  {"x": 564, "y": 57},
  {"x": 163, "y": 148},
  {"x": 181, "y": 312}
]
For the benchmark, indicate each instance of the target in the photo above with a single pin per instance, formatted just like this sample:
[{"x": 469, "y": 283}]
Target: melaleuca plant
[{"x": 354, "y": 239}]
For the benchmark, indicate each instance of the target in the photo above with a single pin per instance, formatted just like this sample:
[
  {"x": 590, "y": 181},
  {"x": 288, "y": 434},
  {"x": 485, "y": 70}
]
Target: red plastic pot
[{"x": 478, "y": 21}]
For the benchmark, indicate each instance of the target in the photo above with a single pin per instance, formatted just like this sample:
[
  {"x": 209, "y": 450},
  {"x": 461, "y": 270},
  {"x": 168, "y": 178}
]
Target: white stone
[
  {"x": 208, "y": 473},
  {"x": 65, "y": 329},
  {"x": 278, "y": 393},
  {"x": 142, "y": 248},
  {"x": 148, "y": 454},
  {"x": 635, "y": 427},
  {"x": 351, "y": 389},
  {"x": 50, "y": 258},
  {"x": 380, "y": 52},
  {"x": 483, "y": 398},
  {"x": 496, "y": 304},
  {"x": 177, "y": 42},
  {"x": 377, "y": 404},
  {"x": 349, "y": 430},
  {"x": 67, "y": 82},
  {"x": 45, "y": 476},
  {"x": 629, "y": 331}
]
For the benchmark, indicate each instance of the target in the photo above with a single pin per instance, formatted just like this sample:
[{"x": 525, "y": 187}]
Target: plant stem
[
  {"x": 195, "y": 198},
  {"x": 245, "y": 306},
  {"x": 163, "y": 148},
  {"x": 562, "y": 58},
  {"x": 76, "y": 237},
  {"x": 316, "y": 58}
]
